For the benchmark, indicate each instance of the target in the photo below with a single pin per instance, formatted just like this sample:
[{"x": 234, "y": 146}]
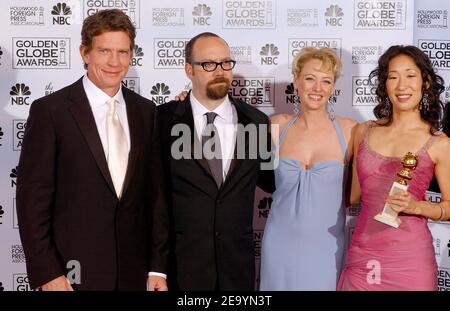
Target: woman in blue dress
[{"x": 303, "y": 243}]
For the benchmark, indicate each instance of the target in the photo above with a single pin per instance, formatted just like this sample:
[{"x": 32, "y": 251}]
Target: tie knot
[
  {"x": 112, "y": 105},
  {"x": 210, "y": 116}
]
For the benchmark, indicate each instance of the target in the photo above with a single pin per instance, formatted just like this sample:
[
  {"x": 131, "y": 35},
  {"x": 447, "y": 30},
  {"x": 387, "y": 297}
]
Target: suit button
[
  {"x": 218, "y": 201},
  {"x": 217, "y": 233}
]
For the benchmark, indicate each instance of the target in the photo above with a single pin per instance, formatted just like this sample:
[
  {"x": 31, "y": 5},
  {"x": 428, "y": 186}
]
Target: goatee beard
[{"x": 217, "y": 88}]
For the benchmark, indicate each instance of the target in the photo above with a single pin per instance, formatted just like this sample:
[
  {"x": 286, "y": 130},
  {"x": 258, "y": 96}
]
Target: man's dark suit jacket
[
  {"x": 212, "y": 233},
  {"x": 66, "y": 203}
]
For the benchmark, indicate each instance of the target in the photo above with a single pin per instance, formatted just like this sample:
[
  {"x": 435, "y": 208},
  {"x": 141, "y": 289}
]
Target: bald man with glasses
[{"x": 210, "y": 181}]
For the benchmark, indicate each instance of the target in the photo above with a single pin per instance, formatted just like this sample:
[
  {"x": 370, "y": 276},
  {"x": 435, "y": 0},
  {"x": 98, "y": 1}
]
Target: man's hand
[
  {"x": 181, "y": 96},
  {"x": 156, "y": 283},
  {"x": 61, "y": 283}
]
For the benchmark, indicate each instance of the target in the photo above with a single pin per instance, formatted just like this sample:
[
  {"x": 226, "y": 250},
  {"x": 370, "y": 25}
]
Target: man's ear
[
  {"x": 189, "y": 70},
  {"x": 84, "y": 53}
]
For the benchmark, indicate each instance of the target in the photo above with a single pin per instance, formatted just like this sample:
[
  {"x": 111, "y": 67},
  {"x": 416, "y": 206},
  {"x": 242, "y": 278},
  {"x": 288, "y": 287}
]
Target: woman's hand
[{"x": 402, "y": 201}]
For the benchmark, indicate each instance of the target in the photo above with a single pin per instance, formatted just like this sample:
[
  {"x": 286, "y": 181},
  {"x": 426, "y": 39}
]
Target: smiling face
[
  {"x": 314, "y": 86},
  {"x": 404, "y": 83},
  {"x": 108, "y": 60}
]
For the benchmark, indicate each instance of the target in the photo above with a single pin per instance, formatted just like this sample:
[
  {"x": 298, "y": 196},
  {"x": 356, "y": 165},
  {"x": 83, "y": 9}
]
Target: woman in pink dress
[{"x": 381, "y": 257}]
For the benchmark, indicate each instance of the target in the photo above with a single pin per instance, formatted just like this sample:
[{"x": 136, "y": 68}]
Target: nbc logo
[
  {"x": 202, "y": 15},
  {"x": 13, "y": 176},
  {"x": 269, "y": 49},
  {"x": 138, "y": 53},
  {"x": 48, "y": 89},
  {"x": 160, "y": 90},
  {"x": 289, "y": 89},
  {"x": 19, "y": 94},
  {"x": 264, "y": 207},
  {"x": 333, "y": 15},
  {"x": 269, "y": 54},
  {"x": 291, "y": 96},
  {"x": 61, "y": 14}
]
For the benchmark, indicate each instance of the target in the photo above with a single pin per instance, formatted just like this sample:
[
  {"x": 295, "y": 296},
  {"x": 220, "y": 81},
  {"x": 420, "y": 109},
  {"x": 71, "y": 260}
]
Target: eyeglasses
[{"x": 211, "y": 66}]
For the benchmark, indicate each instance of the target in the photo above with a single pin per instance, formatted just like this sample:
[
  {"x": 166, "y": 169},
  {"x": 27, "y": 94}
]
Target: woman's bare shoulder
[
  {"x": 347, "y": 123},
  {"x": 440, "y": 147},
  {"x": 278, "y": 122},
  {"x": 441, "y": 141},
  {"x": 363, "y": 125},
  {"x": 359, "y": 129},
  {"x": 281, "y": 118}
]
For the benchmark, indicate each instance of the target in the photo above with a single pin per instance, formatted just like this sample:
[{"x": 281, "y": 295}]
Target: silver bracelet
[{"x": 442, "y": 216}]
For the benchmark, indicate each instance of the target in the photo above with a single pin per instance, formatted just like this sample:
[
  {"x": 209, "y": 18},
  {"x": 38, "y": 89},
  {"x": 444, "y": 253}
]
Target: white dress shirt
[
  {"x": 226, "y": 124},
  {"x": 97, "y": 100}
]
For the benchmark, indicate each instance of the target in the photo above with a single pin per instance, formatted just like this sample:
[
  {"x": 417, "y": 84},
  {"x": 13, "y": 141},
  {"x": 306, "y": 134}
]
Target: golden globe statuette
[{"x": 388, "y": 216}]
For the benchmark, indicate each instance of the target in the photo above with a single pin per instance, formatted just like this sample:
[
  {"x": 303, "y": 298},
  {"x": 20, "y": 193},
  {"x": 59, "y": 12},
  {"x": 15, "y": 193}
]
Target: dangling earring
[
  {"x": 330, "y": 109},
  {"x": 296, "y": 108},
  {"x": 425, "y": 102}
]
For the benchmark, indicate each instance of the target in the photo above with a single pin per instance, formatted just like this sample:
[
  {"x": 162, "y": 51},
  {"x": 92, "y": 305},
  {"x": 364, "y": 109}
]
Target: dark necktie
[{"x": 211, "y": 148}]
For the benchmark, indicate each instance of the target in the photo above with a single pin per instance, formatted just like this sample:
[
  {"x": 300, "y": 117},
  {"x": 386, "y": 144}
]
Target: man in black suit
[
  {"x": 211, "y": 175},
  {"x": 86, "y": 175}
]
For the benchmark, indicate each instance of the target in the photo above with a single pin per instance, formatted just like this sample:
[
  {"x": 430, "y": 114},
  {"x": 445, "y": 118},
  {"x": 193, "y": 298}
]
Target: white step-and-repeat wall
[{"x": 39, "y": 43}]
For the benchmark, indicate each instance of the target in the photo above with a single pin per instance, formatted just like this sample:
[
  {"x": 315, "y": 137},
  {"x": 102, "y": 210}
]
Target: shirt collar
[
  {"x": 224, "y": 110},
  {"x": 97, "y": 97}
]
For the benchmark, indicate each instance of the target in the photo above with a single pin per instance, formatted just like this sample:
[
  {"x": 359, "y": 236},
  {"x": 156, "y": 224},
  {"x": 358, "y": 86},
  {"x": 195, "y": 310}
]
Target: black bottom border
[{"x": 221, "y": 300}]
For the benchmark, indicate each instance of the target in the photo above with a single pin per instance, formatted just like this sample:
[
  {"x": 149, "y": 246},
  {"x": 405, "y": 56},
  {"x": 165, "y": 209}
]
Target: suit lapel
[
  {"x": 82, "y": 113},
  {"x": 183, "y": 114},
  {"x": 136, "y": 128},
  {"x": 243, "y": 121}
]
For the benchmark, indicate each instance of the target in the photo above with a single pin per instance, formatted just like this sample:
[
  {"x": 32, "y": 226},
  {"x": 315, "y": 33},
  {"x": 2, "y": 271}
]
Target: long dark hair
[{"x": 432, "y": 87}]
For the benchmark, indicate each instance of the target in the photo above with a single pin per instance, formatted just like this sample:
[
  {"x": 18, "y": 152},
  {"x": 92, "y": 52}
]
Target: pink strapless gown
[{"x": 405, "y": 256}]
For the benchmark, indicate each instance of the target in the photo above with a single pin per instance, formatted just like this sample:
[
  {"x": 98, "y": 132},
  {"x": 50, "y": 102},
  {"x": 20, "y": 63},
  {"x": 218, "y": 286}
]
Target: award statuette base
[{"x": 388, "y": 216}]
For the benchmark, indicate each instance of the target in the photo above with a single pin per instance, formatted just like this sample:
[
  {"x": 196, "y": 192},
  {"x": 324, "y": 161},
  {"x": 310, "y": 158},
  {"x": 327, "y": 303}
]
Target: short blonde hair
[{"x": 330, "y": 62}]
